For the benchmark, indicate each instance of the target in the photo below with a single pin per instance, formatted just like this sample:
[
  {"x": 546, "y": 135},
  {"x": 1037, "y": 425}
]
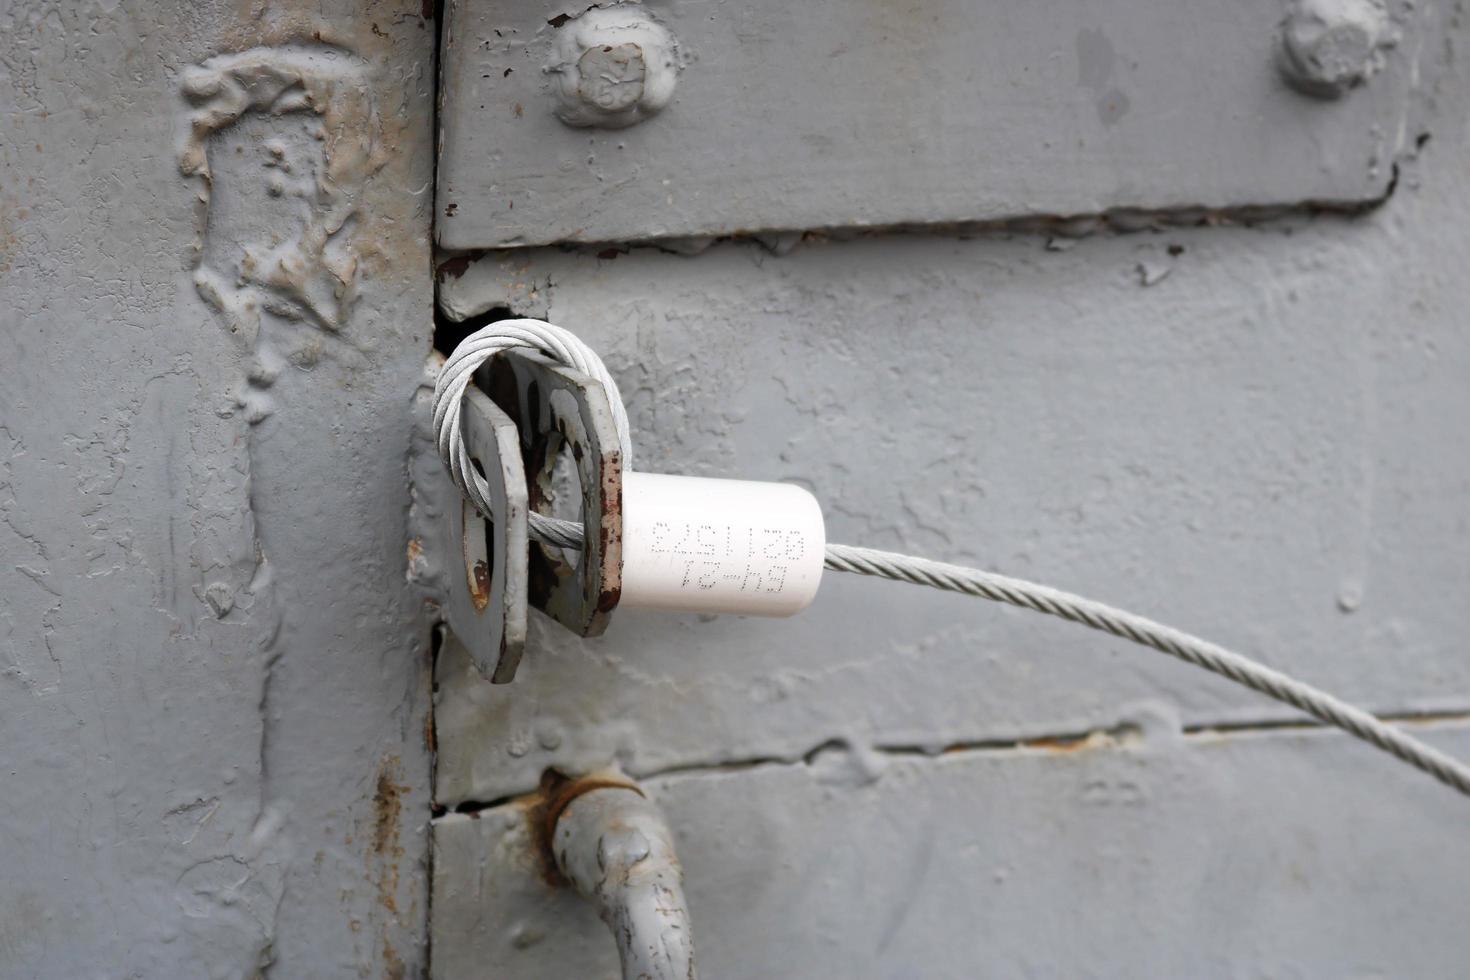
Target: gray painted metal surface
[
  {"x": 834, "y": 114},
  {"x": 485, "y": 591},
  {"x": 613, "y": 845},
  {"x": 1255, "y": 433},
  {"x": 219, "y": 508},
  {"x": 1157, "y": 856},
  {"x": 1249, "y": 448},
  {"x": 213, "y": 669}
]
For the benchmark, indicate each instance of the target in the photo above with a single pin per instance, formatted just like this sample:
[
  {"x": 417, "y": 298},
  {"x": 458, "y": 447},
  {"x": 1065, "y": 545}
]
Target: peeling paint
[{"x": 312, "y": 274}]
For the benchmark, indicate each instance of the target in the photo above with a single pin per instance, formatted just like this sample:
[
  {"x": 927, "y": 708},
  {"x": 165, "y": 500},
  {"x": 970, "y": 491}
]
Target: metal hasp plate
[
  {"x": 744, "y": 115},
  {"x": 486, "y": 608},
  {"x": 542, "y": 408},
  {"x": 555, "y": 407}
]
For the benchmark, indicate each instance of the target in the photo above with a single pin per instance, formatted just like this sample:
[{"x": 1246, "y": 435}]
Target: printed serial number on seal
[{"x": 742, "y": 558}]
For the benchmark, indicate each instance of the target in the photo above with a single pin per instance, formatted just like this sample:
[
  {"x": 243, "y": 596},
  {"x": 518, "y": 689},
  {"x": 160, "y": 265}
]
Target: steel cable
[
  {"x": 1130, "y": 626},
  {"x": 459, "y": 370}
]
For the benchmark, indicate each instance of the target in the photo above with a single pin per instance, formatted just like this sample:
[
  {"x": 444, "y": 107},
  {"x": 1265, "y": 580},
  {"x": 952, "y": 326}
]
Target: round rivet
[
  {"x": 1329, "y": 46},
  {"x": 614, "y": 66}
]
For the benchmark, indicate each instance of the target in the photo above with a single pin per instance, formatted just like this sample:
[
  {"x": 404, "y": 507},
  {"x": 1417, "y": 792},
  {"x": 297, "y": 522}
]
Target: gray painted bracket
[
  {"x": 825, "y": 114},
  {"x": 554, "y": 408},
  {"x": 486, "y": 601}
]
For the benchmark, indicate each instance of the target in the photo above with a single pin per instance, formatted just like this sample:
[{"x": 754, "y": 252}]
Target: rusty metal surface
[
  {"x": 556, "y": 407},
  {"x": 487, "y": 588}
]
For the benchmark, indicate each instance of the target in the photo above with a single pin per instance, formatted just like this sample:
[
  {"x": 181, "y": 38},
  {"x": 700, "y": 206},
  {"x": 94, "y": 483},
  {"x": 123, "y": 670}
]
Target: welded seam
[
  {"x": 1115, "y": 736},
  {"x": 1120, "y": 736}
]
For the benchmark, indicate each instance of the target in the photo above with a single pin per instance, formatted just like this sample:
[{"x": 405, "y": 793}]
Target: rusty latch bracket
[
  {"x": 554, "y": 407},
  {"x": 514, "y": 434}
]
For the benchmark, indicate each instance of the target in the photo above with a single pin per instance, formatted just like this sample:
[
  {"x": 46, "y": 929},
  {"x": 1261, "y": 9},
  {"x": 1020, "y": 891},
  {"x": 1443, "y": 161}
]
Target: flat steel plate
[{"x": 831, "y": 114}]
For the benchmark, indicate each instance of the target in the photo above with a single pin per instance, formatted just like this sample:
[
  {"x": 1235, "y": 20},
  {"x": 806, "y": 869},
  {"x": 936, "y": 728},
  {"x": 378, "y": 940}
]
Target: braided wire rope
[
  {"x": 1145, "y": 632},
  {"x": 563, "y": 346},
  {"x": 454, "y": 380}
]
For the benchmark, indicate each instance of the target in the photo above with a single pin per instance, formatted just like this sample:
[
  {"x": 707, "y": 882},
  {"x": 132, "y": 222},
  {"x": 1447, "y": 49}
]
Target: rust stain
[
  {"x": 545, "y": 807},
  {"x": 1056, "y": 744},
  {"x": 393, "y": 968},
  {"x": 610, "y": 534},
  {"x": 387, "y": 809},
  {"x": 455, "y": 267},
  {"x": 1069, "y": 743},
  {"x": 480, "y": 586},
  {"x": 415, "y": 548},
  {"x": 385, "y": 851}
]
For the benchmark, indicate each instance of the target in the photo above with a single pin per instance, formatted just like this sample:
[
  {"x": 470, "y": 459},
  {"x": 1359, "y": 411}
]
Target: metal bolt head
[
  {"x": 1329, "y": 46},
  {"x": 614, "y": 66},
  {"x": 611, "y": 76}
]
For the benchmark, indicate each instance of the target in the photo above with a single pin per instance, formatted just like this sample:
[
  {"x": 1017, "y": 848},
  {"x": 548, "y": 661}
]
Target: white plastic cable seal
[{"x": 720, "y": 546}]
